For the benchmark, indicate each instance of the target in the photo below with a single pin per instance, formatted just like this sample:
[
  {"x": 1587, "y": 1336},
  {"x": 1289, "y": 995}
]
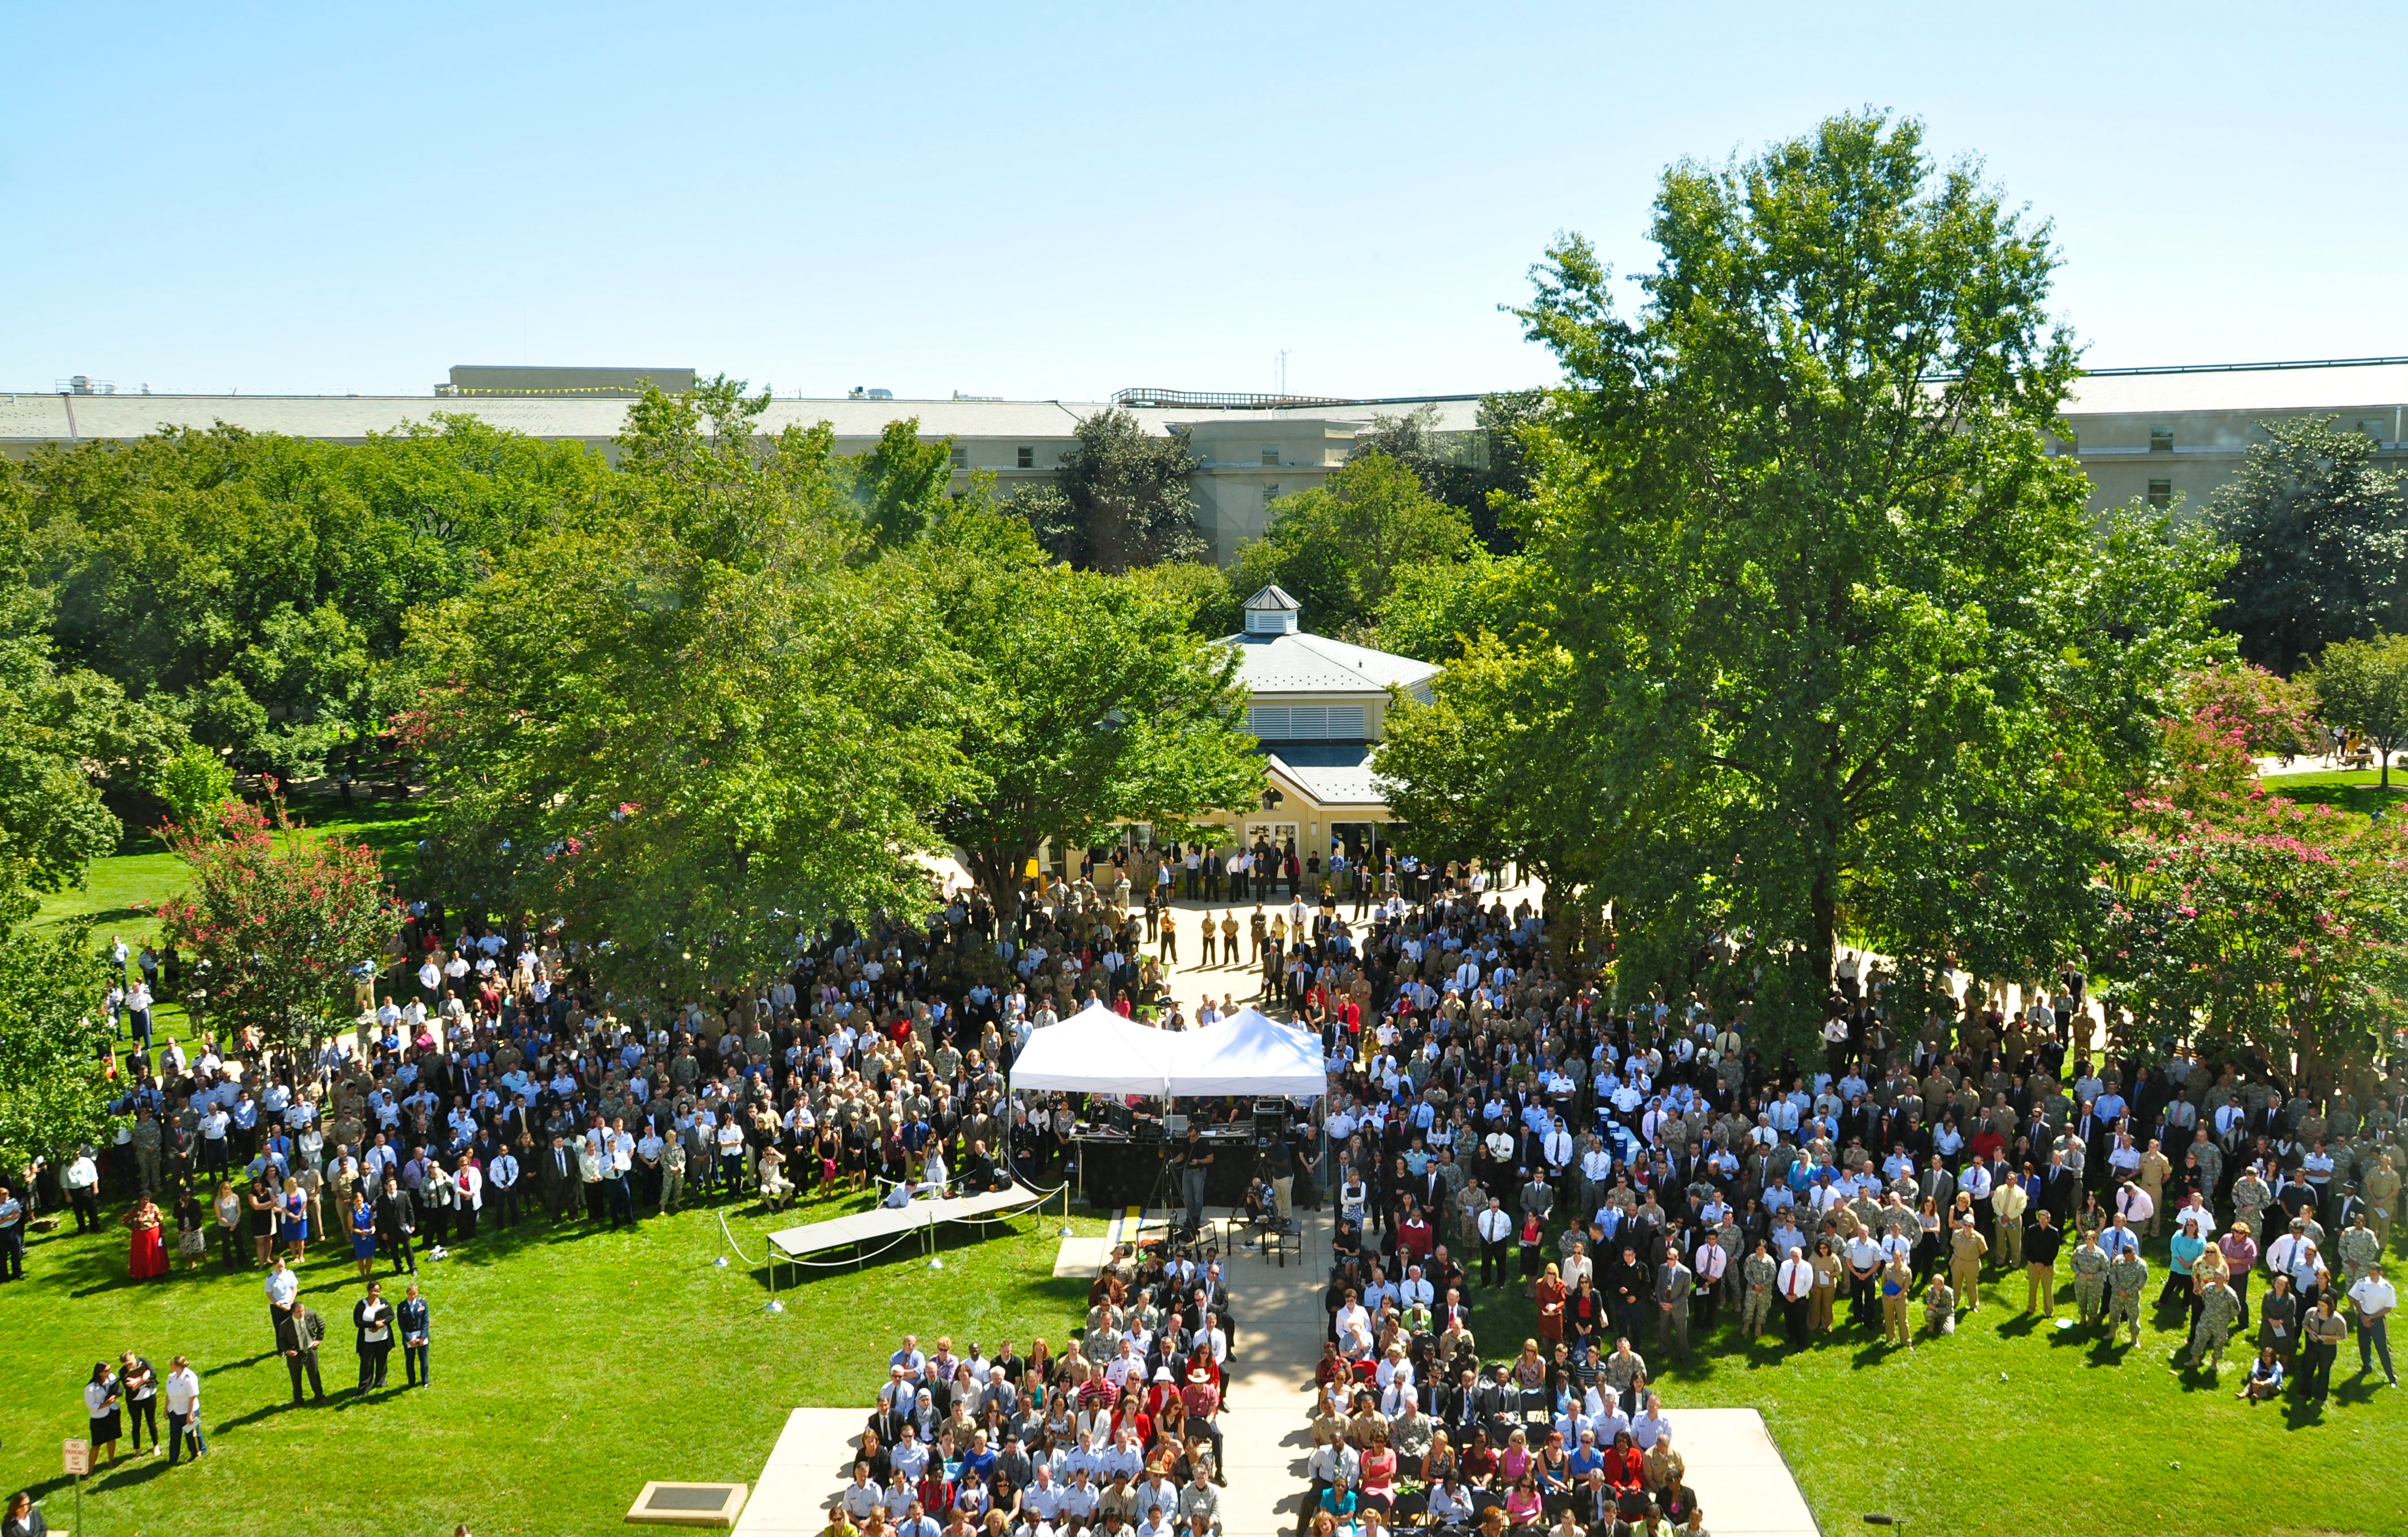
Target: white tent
[
  {"x": 1248, "y": 1052},
  {"x": 1095, "y": 1051}
]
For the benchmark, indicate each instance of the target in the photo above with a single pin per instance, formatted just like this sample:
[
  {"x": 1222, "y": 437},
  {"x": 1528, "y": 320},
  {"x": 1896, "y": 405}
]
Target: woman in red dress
[{"x": 148, "y": 1256}]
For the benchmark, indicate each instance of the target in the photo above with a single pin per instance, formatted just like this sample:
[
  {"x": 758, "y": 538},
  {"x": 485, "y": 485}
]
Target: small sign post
[{"x": 78, "y": 1459}]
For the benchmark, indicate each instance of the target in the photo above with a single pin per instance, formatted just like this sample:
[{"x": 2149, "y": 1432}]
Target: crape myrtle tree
[
  {"x": 277, "y": 921},
  {"x": 1842, "y": 646}
]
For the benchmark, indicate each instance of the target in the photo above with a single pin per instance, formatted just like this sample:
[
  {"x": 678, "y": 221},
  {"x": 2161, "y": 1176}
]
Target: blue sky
[{"x": 1054, "y": 202}]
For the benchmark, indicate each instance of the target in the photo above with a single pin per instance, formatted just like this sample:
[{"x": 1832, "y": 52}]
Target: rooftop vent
[{"x": 1271, "y": 612}]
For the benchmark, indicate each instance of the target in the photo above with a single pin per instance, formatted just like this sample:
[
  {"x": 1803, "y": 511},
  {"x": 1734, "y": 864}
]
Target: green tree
[
  {"x": 277, "y": 924},
  {"x": 1340, "y": 547},
  {"x": 54, "y": 1039},
  {"x": 2322, "y": 536},
  {"x": 1842, "y": 644},
  {"x": 1121, "y": 500},
  {"x": 1086, "y": 701},
  {"x": 1485, "y": 472},
  {"x": 698, "y": 720},
  {"x": 256, "y": 585},
  {"x": 194, "y": 784},
  {"x": 2252, "y": 923},
  {"x": 905, "y": 482},
  {"x": 2362, "y": 686}
]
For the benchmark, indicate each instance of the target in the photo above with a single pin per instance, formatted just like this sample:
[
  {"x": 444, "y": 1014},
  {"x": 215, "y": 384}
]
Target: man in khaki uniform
[
  {"x": 2008, "y": 1203},
  {"x": 2382, "y": 1190},
  {"x": 1966, "y": 1248},
  {"x": 2155, "y": 1169}
]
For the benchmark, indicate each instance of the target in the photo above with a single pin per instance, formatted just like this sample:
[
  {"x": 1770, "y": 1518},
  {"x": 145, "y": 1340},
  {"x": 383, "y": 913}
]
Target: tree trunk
[{"x": 998, "y": 873}]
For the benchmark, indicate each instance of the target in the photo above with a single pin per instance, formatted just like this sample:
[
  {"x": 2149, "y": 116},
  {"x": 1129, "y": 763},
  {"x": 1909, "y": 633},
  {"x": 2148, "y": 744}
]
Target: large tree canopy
[
  {"x": 1121, "y": 499},
  {"x": 1341, "y": 548},
  {"x": 1085, "y": 699},
  {"x": 2322, "y": 539},
  {"x": 254, "y": 584},
  {"x": 693, "y": 720},
  {"x": 1840, "y": 644}
]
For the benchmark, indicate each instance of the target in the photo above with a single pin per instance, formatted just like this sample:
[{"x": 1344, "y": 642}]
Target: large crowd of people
[{"x": 1643, "y": 1172}]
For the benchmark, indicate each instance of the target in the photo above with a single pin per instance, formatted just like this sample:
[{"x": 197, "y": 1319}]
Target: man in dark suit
[
  {"x": 396, "y": 1224},
  {"x": 298, "y": 1332},
  {"x": 2058, "y": 1189},
  {"x": 555, "y": 1173}
]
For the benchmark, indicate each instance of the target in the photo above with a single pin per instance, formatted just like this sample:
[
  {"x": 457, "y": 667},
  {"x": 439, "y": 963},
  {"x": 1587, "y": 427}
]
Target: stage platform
[{"x": 792, "y": 1245}]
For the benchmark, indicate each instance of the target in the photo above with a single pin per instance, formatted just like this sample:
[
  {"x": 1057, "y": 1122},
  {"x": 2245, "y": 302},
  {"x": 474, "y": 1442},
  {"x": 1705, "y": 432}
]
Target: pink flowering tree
[
  {"x": 2248, "y": 920},
  {"x": 279, "y": 919}
]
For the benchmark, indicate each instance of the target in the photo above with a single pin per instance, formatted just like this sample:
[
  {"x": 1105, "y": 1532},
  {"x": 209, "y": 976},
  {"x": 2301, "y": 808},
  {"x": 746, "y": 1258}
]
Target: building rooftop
[
  {"x": 1298, "y": 663},
  {"x": 1335, "y": 774}
]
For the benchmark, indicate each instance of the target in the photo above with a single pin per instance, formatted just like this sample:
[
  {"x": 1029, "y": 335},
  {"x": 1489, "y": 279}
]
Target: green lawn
[
  {"x": 2350, "y": 790},
  {"x": 2013, "y": 1428},
  {"x": 570, "y": 1367}
]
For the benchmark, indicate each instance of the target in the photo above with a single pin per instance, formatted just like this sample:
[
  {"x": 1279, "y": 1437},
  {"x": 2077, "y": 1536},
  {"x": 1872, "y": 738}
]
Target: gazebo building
[{"x": 1318, "y": 707}]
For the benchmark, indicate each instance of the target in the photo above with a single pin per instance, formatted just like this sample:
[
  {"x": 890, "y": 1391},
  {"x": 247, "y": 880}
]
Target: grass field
[
  {"x": 2012, "y": 1427},
  {"x": 2344, "y": 789},
  {"x": 569, "y": 1368}
]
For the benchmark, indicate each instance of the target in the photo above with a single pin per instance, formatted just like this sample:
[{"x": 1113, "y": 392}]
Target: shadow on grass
[{"x": 266, "y": 1411}]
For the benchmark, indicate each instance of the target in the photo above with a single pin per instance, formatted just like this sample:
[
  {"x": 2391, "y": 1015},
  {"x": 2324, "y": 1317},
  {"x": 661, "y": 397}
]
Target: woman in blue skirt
[
  {"x": 293, "y": 1220},
  {"x": 362, "y": 1221}
]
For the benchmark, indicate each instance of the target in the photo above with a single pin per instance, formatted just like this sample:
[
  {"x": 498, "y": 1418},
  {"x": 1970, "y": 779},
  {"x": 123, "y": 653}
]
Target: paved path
[
  {"x": 1743, "y": 1484},
  {"x": 1264, "y": 1437}
]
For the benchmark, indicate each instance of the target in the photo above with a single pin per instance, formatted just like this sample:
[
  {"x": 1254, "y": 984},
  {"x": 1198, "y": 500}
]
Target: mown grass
[{"x": 570, "y": 1365}]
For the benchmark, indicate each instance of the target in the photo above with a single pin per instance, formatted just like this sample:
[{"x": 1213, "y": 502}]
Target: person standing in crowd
[
  {"x": 416, "y": 1329},
  {"x": 2373, "y": 1297},
  {"x": 12, "y": 1235},
  {"x": 137, "y": 1384},
  {"x": 104, "y": 1414},
  {"x": 298, "y": 1331},
  {"x": 146, "y": 1251},
  {"x": 184, "y": 1411},
  {"x": 83, "y": 1181},
  {"x": 372, "y": 1324}
]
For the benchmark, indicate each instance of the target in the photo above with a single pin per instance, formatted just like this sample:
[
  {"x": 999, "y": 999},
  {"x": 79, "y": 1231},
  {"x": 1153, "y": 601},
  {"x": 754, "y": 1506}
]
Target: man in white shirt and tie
[{"x": 1795, "y": 1283}]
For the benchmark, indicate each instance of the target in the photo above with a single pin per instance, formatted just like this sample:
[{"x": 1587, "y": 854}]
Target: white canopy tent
[
  {"x": 1095, "y": 1051},
  {"x": 1248, "y": 1052}
]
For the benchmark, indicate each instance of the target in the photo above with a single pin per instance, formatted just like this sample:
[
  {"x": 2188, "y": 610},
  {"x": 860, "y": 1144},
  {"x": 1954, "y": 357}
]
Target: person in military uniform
[
  {"x": 1896, "y": 1285},
  {"x": 673, "y": 1158},
  {"x": 2090, "y": 1280},
  {"x": 1966, "y": 1248},
  {"x": 1940, "y": 1307},
  {"x": 2219, "y": 1308},
  {"x": 2359, "y": 1250},
  {"x": 2251, "y": 1196},
  {"x": 2127, "y": 1275},
  {"x": 1757, "y": 1274},
  {"x": 2381, "y": 1188}
]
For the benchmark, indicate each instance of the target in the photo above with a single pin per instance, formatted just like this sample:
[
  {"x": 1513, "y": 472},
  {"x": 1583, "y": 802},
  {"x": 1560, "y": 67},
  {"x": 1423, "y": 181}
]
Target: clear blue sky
[{"x": 1054, "y": 202}]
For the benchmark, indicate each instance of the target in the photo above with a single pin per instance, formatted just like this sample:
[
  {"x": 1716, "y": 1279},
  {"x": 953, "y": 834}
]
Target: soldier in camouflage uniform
[
  {"x": 2090, "y": 1280},
  {"x": 2219, "y": 1308},
  {"x": 2251, "y": 1196},
  {"x": 2359, "y": 1249},
  {"x": 1757, "y": 1273},
  {"x": 2127, "y": 1276}
]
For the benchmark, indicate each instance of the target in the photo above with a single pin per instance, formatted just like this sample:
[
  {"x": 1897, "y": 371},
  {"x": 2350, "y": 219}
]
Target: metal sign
[{"x": 77, "y": 1456}]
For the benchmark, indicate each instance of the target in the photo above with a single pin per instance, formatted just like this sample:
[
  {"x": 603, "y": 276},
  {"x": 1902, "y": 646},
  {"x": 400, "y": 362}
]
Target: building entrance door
[{"x": 1281, "y": 836}]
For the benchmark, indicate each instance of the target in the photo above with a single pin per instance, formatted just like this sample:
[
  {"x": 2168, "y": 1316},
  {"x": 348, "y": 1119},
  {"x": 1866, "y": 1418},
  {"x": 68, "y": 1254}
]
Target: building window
[
  {"x": 1027, "y": 458},
  {"x": 2161, "y": 493},
  {"x": 2161, "y": 440},
  {"x": 961, "y": 457},
  {"x": 2372, "y": 428},
  {"x": 1306, "y": 723},
  {"x": 1270, "y": 454}
]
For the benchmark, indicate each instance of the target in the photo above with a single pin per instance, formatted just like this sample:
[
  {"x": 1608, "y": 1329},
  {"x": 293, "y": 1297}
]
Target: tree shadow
[{"x": 265, "y": 1411}]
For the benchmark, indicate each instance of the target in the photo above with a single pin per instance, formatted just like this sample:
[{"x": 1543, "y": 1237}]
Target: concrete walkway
[
  {"x": 807, "y": 1468},
  {"x": 1263, "y": 1436},
  {"x": 1743, "y": 1487}
]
